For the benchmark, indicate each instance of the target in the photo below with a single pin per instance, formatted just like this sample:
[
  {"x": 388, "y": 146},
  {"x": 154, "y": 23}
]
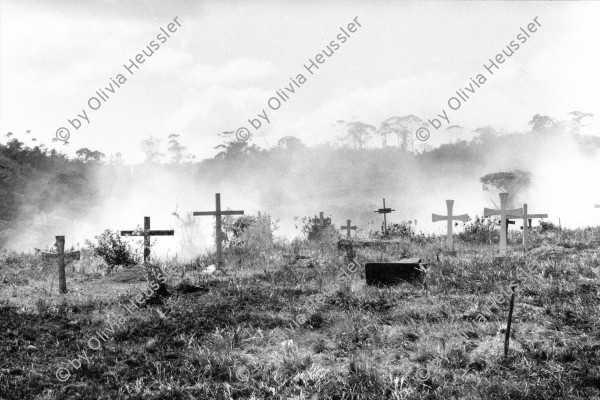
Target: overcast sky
[{"x": 228, "y": 58}]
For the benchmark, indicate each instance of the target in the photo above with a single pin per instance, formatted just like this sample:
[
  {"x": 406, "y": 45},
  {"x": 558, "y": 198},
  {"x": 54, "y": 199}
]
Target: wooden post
[
  {"x": 60, "y": 249},
  {"x": 509, "y": 323},
  {"x": 449, "y": 218},
  {"x": 348, "y": 228},
  {"x": 487, "y": 212},
  {"x": 384, "y": 211},
  {"x": 218, "y": 213}
]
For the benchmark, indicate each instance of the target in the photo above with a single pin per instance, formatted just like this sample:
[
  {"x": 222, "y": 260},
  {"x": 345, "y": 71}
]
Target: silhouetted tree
[{"x": 540, "y": 123}]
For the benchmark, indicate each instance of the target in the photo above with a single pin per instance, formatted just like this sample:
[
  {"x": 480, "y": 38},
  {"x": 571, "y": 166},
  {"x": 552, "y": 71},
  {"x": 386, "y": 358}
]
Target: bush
[
  {"x": 403, "y": 230},
  {"x": 318, "y": 229},
  {"x": 113, "y": 250},
  {"x": 547, "y": 226},
  {"x": 480, "y": 230}
]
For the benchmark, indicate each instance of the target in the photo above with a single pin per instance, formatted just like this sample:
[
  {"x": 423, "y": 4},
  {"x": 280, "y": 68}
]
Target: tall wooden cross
[
  {"x": 60, "y": 256},
  {"x": 449, "y": 218},
  {"x": 348, "y": 228},
  {"x": 218, "y": 213},
  {"x": 147, "y": 233},
  {"x": 384, "y": 211},
  {"x": 527, "y": 218},
  {"x": 503, "y": 212}
]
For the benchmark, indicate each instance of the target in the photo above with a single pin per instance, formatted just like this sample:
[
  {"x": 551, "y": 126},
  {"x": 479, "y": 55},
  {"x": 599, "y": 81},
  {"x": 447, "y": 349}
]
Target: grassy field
[{"x": 275, "y": 328}]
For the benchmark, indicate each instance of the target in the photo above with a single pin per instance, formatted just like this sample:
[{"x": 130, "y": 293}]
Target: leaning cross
[
  {"x": 449, "y": 218},
  {"x": 218, "y": 213},
  {"x": 526, "y": 217},
  {"x": 487, "y": 212},
  {"x": 384, "y": 211},
  {"x": 61, "y": 257},
  {"x": 348, "y": 228},
  {"x": 147, "y": 233}
]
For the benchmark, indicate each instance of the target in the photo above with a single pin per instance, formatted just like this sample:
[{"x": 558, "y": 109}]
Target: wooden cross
[
  {"x": 449, "y": 218},
  {"x": 218, "y": 213},
  {"x": 147, "y": 233},
  {"x": 384, "y": 211},
  {"x": 503, "y": 212},
  {"x": 509, "y": 222},
  {"x": 527, "y": 217},
  {"x": 348, "y": 228},
  {"x": 61, "y": 257}
]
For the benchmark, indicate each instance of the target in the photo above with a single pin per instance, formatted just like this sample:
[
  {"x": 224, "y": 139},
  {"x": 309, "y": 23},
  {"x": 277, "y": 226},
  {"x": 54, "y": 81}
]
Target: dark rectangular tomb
[{"x": 406, "y": 270}]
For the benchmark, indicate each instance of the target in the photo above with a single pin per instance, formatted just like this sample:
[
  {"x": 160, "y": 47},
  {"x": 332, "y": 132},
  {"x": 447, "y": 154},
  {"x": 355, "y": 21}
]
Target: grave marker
[
  {"x": 384, "y": 211},
  {"x": 61, "y": 257},
  {"x": 527, "y": 218},
  {"x": 407, "y": 270},
  {"x": 218, "y": 213},
  {"x": 147, "y": 233},
  {"x": 503, "y": 212},
  {"x": 348, "y": 228},
  {"x": 449, "y": 218}
]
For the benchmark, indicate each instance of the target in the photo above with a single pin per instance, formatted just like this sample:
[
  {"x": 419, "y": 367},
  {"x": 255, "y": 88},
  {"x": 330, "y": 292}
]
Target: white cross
[
  {"x": 449, "y": 218},
  {"x": 488, "y": 212}
]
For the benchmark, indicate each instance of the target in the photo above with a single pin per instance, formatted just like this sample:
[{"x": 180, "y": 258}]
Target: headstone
[
  {"x": 527, "y": 219},
  {"x": 384, "y": 211},
  {"x": 449, "y": 218},
  {"x": 348, "y": 228},
  {"x": 503, "y": 212},
  {"x": 219, "y": 240},
  {"x": 61, "y": 258},
  {"x": 407, "y": 270}
]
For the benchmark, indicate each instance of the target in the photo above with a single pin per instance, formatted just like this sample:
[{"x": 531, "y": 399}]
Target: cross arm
[
  {"x": 161, "y": 233},
  {"x": 437, "y": 218},
  {"x": 462, "y": 218},
  {"x": 200, "y": 213},
  {"x": 75, "y": 255},
  {"x": 132, "y": 233},
  {"x": 529, "y": 216},
  {"x": 488, "y": 212}
]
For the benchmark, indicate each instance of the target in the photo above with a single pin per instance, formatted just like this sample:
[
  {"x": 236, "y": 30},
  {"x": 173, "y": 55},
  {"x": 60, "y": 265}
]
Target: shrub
[
  {"x": 318, "y": 229},
  {"x": 403, "y": 230},
  {"x": 480, "y": 230},
  {"x": 113, "y": 250},
  {"x": 547, "y": 226}
]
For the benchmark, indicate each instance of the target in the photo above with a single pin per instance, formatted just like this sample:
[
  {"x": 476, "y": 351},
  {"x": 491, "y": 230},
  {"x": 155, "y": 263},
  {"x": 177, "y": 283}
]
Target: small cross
[
  {"x": 527, "y": 218},
  {"x": 487, "y": 212},
  {"x": 61, "y": 257},
  {"x": 218, "y": 213},
  {"x": 147, "y": 233},
  {"x": 449, "y": 218},
  {"x": 348, "y": 228},
  {"x": 384, "y": 211}
]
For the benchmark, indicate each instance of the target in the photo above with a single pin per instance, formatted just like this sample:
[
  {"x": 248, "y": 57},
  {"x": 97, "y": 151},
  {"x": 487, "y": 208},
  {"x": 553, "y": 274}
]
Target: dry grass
[{"x": 242, "y": 337}]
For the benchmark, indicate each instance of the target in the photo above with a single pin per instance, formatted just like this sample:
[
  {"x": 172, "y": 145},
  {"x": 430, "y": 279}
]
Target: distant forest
[{"x": 39, "y": 180}]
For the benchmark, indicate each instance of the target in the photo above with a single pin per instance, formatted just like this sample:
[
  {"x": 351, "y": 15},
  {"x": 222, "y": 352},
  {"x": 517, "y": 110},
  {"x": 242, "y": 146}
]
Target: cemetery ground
[{"x": 240, "y": 336}]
